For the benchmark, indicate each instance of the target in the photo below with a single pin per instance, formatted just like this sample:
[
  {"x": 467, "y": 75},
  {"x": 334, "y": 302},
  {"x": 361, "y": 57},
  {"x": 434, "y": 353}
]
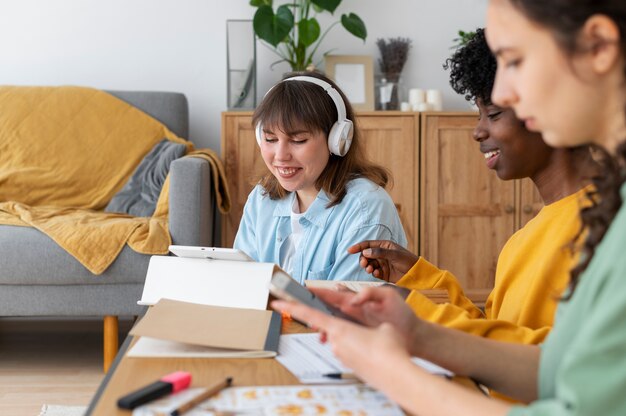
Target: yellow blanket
[{"x": 64, "y": 153}]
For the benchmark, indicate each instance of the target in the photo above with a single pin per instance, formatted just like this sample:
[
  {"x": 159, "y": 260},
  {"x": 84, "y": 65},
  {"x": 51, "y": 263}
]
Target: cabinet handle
[
  {"x": 528, "y": 209},
  {"x": 509, "y": 209}
]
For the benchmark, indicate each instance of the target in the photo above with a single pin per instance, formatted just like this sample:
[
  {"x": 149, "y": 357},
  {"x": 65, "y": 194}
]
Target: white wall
[{"x": 180, "y": 45}]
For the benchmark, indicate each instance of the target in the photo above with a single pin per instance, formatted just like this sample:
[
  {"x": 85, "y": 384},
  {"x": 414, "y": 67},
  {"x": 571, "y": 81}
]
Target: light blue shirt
[{"x": 366, "y": 213}]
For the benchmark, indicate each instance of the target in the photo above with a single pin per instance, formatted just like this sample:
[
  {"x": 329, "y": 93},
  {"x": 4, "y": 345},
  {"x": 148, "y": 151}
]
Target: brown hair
[
  {"x": 296, "y": 104},
  {"x": 565, "y": 18}
]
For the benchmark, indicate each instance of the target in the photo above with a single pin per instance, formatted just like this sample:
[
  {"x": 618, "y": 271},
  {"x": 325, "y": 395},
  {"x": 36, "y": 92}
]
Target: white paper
[
  {"x": 308, "y": 359},
  {"x": 235, "y": 284},
  {"x": 152, "y": 347}
]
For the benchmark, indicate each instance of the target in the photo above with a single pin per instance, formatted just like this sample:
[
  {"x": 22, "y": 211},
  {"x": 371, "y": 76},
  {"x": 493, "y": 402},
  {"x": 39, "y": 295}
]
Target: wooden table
[{"x": 130, "y": 373}]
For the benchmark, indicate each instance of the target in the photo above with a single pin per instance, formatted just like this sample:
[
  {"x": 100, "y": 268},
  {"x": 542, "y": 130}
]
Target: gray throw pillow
[{"x": 140, "y": 194}]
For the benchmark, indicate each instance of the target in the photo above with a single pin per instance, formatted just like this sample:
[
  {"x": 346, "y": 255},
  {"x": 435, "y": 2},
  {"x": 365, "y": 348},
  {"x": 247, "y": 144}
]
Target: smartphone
[
  {"x": 284, "y": 287},
  {"x": 215, "y": 253}
]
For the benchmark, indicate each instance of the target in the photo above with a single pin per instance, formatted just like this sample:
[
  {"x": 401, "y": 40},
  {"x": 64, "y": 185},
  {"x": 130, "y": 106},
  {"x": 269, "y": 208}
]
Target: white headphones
[{"x": 340, "y": 135}]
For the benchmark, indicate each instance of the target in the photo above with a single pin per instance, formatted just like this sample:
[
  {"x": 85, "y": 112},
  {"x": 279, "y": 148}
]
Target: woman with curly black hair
[
  {"x": 534, "y": 265},
  {"x": 562, "y": 68}
]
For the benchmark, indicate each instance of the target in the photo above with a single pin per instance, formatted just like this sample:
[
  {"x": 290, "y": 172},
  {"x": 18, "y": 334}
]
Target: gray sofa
[{"x": 38, "y": 278}]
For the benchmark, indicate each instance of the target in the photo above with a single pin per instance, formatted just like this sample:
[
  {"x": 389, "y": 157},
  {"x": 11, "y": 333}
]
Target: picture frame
[{"x": 354, "y": 74}]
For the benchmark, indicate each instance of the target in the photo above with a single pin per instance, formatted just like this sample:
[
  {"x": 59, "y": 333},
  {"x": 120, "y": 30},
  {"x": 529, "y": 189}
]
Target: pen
[
  {"x": 341, "y": 376},
  {"x": 208, "y": 392},
  {"x": 171, "y": 383}
]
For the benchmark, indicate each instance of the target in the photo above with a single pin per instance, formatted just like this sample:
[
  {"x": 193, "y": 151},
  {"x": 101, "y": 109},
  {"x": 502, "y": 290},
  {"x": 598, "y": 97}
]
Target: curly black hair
[{"x": 473, "y": 69}]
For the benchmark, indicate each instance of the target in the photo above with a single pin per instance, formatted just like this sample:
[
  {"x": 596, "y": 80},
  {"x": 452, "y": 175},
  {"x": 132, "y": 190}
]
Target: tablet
[
  {"x": 284, "y": 287},
  {"x": 215, "y": 253}
]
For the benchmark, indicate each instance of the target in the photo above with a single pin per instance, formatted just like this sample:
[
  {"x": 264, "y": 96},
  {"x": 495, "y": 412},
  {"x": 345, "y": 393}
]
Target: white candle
[
  {"x": 422, "y": 107},
  {"x": 433, "y": 97},
  {"x": 416, "y": 96},
  {"x": 404, "y": 106}
]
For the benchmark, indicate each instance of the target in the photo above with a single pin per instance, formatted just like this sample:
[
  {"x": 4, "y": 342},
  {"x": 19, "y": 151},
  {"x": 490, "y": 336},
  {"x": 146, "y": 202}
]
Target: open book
[{"x": 181, "y": 329}]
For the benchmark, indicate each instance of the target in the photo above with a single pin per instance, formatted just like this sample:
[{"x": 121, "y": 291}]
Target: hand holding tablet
[{"x": 284, "y": 287}]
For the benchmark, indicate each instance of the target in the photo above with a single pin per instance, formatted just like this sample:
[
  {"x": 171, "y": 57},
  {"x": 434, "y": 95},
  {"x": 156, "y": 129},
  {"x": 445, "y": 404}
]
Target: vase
[{"x": 389, "y": 91}]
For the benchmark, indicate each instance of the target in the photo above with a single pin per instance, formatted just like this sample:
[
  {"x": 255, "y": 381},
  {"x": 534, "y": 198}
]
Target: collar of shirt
[{"x": 317, "y": 214}]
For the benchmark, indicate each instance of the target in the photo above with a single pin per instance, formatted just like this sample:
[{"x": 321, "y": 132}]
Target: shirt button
[{"x": 279, "y": 239}]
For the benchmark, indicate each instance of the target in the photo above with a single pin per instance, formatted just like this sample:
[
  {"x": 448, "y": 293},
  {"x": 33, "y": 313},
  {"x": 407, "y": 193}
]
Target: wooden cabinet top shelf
[{"x": 378, "y": 113}]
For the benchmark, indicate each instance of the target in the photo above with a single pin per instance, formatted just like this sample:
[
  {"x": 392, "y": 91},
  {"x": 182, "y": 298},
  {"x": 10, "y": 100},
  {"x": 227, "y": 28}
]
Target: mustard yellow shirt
[{"x": 532, "y": 271}]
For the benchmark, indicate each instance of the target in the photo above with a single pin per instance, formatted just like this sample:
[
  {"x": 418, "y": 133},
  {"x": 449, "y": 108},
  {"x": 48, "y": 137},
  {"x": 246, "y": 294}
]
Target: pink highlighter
[{"x": 171, "y": 383}]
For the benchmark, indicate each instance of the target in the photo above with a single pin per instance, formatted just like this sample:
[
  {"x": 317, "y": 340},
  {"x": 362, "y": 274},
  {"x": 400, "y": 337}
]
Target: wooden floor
[{"x": 50, "y": 361}]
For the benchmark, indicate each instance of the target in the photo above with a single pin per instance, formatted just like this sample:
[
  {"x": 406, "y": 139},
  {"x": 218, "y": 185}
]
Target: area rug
[{"x": 56, "y": 410}]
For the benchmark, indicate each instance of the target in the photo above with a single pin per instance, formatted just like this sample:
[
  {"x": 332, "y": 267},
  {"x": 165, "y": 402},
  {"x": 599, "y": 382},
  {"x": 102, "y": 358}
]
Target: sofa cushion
[
  {"x": 140, "y": 194},
  {"x": 29, "y": 257}
]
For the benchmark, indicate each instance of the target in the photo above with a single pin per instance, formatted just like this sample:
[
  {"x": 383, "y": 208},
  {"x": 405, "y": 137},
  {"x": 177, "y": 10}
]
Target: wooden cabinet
[
  {"x": 455, "y": 212},
  {"x": 243, "y": 165},
  {"x": 390, "y": 141}
]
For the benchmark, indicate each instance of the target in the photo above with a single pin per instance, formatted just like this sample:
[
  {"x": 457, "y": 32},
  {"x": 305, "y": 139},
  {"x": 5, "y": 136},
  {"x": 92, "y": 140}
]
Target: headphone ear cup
[
  {"x": 258, "y": 131},
  {"x": 340, "y": 137}
]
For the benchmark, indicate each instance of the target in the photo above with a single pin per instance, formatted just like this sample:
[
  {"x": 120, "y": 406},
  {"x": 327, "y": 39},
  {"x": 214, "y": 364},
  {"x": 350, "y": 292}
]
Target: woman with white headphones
[{"x": 321, "y": 195}]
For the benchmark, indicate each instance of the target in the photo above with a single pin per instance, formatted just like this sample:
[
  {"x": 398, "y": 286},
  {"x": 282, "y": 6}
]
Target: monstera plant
[{"x": 293, "y": 32}]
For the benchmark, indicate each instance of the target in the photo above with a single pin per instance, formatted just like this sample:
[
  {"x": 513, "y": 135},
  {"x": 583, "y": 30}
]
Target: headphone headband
[
  {"x": 340, "y": 134},
  {"x": 330, "y": 90}
]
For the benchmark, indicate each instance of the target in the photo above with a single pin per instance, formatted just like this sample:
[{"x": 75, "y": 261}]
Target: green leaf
[
  {"x": 329, "y": 5},
  {"x": 354, "y": 25},
  {"x": 308, "y": 31},
  {"x": 259, "y": 3},
  {"x": 273, "y": 28}
]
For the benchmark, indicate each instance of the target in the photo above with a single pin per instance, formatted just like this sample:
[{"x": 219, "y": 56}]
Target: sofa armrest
[{"x": 191, "y": 202}]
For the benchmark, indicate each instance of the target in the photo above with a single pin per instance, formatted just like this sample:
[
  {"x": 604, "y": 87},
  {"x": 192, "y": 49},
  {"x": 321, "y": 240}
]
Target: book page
[
  {"x": 308, "y": 359},
  {"x": 236, "y": 284}
]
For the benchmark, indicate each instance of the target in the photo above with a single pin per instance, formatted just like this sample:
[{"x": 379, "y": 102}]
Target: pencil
[
  {"x": 210, "y": 391},
  {"x": 341, "y": 376}
]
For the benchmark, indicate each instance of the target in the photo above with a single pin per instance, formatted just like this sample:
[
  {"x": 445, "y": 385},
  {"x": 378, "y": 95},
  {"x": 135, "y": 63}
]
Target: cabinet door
[
  {"x": 243, "y": 165},
  {"x": 466, "y": 212},
  {"x": 392, "y": 141}
]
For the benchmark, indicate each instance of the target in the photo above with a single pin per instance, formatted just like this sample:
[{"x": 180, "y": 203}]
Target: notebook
[{"x": 181, "y": 329}]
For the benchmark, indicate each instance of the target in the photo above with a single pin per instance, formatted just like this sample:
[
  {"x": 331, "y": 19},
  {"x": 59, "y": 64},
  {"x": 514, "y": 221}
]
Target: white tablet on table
[{"x": 215, "y": 253}]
